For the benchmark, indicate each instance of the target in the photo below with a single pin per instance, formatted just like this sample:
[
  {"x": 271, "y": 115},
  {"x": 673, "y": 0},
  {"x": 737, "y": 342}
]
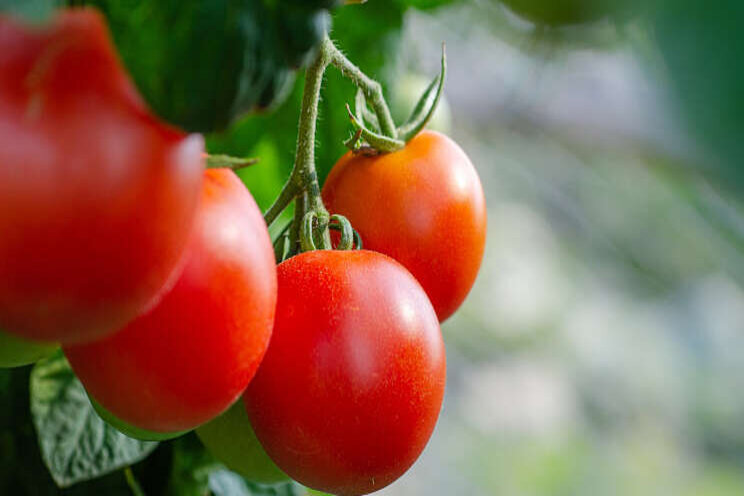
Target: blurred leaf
[
  {"x": 191, "y": 466},
  {"x": 75, "y": 443},
  {"x": 426, "y": 4},
  {"x": 201, "y": 63},
  {"x": 564, "y": 12},
  {"x": 701, "y": 44}
]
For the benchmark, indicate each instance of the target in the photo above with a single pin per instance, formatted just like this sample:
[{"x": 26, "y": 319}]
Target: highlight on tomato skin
[
  {"x": 424, "y": 206},
  {"x": 190, "y": 357},
  {"x": 351, "y": 387},
  {"x": 87, "y": 173}
]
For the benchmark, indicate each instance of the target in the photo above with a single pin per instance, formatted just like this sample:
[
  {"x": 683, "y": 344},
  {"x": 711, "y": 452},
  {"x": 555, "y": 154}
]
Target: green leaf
[
  {"x": 190, "y": 467},
  {"x": 227, "y": 483},
  {"x": 201, "y": 63},
  {"x": 701, "y": 45},
  {"x": 76, "y": 445}
]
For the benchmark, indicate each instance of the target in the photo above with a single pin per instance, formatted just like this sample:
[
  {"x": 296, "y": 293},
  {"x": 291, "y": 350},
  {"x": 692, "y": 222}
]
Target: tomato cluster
[{"x": 158, "y": 277}]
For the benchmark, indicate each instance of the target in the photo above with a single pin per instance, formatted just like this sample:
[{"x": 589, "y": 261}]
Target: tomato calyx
[
  {"x": 220, "y": 161},
  {"x": 368, "y": 138}
]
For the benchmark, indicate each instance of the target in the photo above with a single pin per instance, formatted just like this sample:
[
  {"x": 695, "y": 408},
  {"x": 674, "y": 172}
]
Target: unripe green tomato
[
  {"x": 230, "y": 438},
  {"x": 15, "y": 351},
  {"x": 130, "y": 430},
  {"x": 562, "y": 12},
  {"x": 406, "y": 91}
]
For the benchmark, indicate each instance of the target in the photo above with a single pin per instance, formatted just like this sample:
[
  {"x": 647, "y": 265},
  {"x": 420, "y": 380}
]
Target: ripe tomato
[
  {"x": 96, "y": 196},
  {"x": 423, "y": 206},
  {"x": 351, "y": 387},
  {"x": 230, "y": 438},
  {"x": 15, "y": 351},
  {"x": 188, "y": 359}
]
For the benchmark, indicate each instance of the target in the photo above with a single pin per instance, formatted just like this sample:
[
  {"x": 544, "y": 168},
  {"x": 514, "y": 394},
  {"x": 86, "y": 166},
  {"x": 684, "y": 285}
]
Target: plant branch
[
  {"x": 228, "y": 162},
  {"x": 302, "y": 185},
  {"x": 132, "y": 482},
  {"x": 371, "y": 88},
  {"x": 286, "y": 195}
]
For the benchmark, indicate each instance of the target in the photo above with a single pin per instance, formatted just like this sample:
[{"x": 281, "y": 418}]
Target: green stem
[
  {"x": 294, "y": 230},
  {"x": 132, "y": 482},
  {"x": 228, "y": 162},
  {"x": 371, "y": 88},
  {"x": 286, "y": 195},
  {"x": 302, "y": 185}
]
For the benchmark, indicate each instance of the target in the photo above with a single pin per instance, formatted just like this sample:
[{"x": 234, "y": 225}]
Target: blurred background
[{"x": 601, "y": 351}]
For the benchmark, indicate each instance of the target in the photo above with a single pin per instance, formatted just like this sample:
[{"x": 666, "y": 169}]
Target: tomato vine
[{"x": 309, "y": 228}]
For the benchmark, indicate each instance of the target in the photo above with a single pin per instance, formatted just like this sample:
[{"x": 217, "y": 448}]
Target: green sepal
[{"x": 426, "y": 106}]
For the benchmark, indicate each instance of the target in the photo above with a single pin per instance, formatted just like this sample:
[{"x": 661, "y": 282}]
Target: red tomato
[
  {"x": 351, "y": 387},
  {"x": 189, "y": 358},
  {"x": 96, "y": 196},
  {"x": 423, "y": 206}
]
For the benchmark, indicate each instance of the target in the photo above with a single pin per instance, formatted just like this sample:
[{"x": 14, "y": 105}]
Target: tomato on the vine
[
  {"x": 97, "y": 197},
  {"x": 190, "y": 357},
  {"x": 350, "y": 389},
  {"x": 423, "y": 206}
]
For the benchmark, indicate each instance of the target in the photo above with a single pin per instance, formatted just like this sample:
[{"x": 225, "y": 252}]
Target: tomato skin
[
  {"x": 423, "y": 206},
  {"x": 96, "y": 196},
  {"x": 189, "y": 358},
  {"x": 352, "y": 385}
]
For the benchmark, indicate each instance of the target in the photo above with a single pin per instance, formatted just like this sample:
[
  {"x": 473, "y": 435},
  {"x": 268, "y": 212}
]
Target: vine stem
[
  {"x": 132, "y": 482},
  {"x": 303, "y": 180},
  {"x": 372, "y": 89}
]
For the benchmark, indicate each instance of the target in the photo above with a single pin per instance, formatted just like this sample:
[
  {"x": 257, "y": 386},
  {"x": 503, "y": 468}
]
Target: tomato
[
  {"x": 231, "y": 439},
  {"x": 423, "y": 206},
  {"x": 352, "y": 384},
  {"x": 96, "y": 196},
  {"x": 189, "y": 358},
  {"x": 15, "y": 351}
]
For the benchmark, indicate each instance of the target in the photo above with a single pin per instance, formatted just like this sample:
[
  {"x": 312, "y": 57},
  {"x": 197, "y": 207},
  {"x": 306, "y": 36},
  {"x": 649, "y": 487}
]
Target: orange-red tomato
[
  {"x": 189, "y": 358},
  {"x": 97, "y": 197},
  {"x": 352, "y": 384},
  {"x": 424, "y": 206}
]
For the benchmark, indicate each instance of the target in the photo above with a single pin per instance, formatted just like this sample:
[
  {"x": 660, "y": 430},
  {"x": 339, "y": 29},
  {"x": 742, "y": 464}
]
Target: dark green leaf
[
  {"x": 76, "y": 445},
  {"x": 190, "y": 468},
  {"x": 201, "y": 63}
]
